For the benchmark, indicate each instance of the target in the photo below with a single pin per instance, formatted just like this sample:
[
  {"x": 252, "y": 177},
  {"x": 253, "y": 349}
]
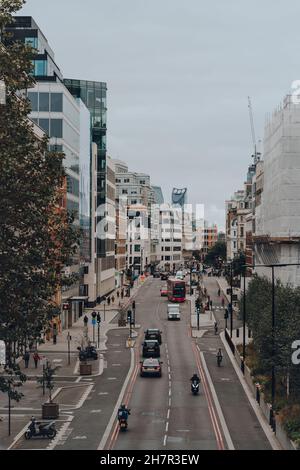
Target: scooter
[
  {"x": 195, "y": 388},
  {"x": 44, "y": 430}
]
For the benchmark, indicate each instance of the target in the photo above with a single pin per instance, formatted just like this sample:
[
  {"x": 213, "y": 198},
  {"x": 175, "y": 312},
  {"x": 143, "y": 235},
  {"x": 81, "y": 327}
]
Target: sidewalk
[{"x": 77, "y": 330}]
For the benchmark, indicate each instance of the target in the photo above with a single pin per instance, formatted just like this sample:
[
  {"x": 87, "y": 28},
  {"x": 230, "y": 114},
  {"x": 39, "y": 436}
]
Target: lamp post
[{"x": 244, "y": 324}]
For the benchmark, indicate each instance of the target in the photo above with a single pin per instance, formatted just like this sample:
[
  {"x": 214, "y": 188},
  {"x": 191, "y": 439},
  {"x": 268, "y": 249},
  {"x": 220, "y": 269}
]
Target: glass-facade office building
[{"x": 93, "y": 94}]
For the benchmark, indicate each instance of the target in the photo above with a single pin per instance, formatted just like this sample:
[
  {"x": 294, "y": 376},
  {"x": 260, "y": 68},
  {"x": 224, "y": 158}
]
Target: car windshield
[{"x": 151, "y": 343}]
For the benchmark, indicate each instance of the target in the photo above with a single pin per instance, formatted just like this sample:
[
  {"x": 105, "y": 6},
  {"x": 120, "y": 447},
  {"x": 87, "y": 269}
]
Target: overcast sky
[{"x": 178, "y": 76}]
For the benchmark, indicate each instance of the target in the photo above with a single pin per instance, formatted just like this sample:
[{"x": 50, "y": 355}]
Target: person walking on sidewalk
[
  {"x": 108, "y": 301},
  {"x": 118, "y": 294},
  {"x": 223, "y": 302},
  {"x": 113, "y": 299},
  {"x": 26, "y": 358},
  {"x": 36, "y": 359},
  {"x": 219, "y": 292}
]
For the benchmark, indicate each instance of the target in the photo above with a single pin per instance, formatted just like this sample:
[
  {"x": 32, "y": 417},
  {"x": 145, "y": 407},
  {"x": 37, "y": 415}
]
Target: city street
[{"x": 164, "y": 414}]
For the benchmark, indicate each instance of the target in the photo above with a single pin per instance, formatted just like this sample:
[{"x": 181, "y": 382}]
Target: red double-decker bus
[{"x": 176, "y": 290}]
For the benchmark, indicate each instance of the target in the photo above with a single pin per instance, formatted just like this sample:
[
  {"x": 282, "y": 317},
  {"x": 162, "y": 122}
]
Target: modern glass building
[
  {"x": 67, "y": 123},
  {"x": 93, "y": 94}
]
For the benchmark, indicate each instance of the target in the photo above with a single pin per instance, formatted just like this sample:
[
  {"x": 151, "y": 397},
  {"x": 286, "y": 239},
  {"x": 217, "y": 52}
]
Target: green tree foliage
[
  {"x": 37, "y": 237},
  {"x": 287, "y": 330},
  {"x": 215, "y": 253}
]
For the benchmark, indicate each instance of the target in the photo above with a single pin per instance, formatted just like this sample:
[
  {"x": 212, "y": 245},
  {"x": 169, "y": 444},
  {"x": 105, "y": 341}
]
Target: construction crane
[{"x": 256, "y": 154}]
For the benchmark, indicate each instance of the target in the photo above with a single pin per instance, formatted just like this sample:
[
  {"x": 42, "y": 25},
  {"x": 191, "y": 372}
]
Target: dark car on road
[
  {"x": 156, "y": 274},
  {"x": 164, "y": 276},
  {"x": 153, "y": 333},
  {"x": 151, "y": 348},
  {"x": 150, "y": 367}
]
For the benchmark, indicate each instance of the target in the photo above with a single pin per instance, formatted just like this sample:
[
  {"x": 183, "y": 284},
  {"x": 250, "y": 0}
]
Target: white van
[{"x": 173, "y": 312}]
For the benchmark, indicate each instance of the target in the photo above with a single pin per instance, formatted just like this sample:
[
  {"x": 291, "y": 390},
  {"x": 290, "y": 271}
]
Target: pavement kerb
[{"x": 258, "y": 412}]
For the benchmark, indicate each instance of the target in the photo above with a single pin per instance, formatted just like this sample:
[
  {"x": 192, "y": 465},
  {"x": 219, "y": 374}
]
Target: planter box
[
  {"x": 50, "y": 410},
  {"x": 85, "y": 369}
]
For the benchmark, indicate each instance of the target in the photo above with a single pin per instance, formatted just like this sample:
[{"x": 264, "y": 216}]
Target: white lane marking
[
  {"x": 120, "y": 398},
  {"x": 169, "y": 370},
  {"x": 57, "y": 360},
  {"x": 60, "y": 435},
  {"x": 84, "y": 396},
  {"x": 217, "y": 403},
  {"x": 170, "y": 401},
  {"x": 78, "y": 379},
  {"x": 103, "y": 393},
  {"x": 111, "y": 378},
  {"x": 165, "y": 440},
  {"x": 168, "y": 414},
  {"x": 169, "y": 377},
  {"x": 167, "y": 426},
  {"x": 76, "y": 368},
  {"x": 95, "y": 411},
  {"x": 170, "y": 393},
  {"x": 79, "y": 437},
  {"x": 116, "y": 365}
]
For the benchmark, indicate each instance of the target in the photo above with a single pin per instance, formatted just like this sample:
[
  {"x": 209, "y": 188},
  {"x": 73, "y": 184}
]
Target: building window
[
  {"x": 168, "y": 258},
  {"x": 126, "y": 180},
  {"x": 33, "y": 97},
  {"x": 124, "y": 191},
  {"x": 137, "y": 248},
  {"x": 57, "y": 102},
  {"x": 242, "y": 231},
  {"x": 33, "y": 42},
  {"x": 44, "y": 101},
  {"x": 44, "y": 124},
  {"x": 56, "y": 128},
  {"x": 40, "y": 68}
]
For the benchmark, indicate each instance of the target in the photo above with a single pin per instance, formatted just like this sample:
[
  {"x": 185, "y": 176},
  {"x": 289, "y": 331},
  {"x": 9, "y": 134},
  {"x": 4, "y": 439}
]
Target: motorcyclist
[
  {"x": 33, "y": 425},
  {"x": 195, "y": 378},
  {"x": 123, "y": 413}
]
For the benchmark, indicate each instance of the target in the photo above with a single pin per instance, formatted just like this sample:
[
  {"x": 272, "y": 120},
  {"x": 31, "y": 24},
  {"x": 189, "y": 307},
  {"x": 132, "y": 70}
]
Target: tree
[
  {"x": 37, "y": 237},
  {"x": 47, "y": 379},
  {"x": 216, "y": 254}
]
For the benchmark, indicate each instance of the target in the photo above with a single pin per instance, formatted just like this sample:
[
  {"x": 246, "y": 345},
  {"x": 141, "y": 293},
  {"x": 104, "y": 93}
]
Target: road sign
[
  {"x": 2, "y": 353},
  {"x": 65, "y": 306}
]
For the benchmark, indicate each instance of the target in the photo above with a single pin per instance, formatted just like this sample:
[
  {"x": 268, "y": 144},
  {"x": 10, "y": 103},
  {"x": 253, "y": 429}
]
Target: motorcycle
[
  {"x": 123, "y": 424},
  {"x": 44, "y": 430},
  {"x": 195, "y": 388}
]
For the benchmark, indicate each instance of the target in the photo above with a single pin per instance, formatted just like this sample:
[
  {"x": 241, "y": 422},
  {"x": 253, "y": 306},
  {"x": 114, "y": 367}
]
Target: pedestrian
[
  {"x": 26, "y": 358},
  {"x": 113, "y": 299},
  {"x": 108, "y": 301},
  {"x": 118, "y": 294},
  {"x": 122, "y": 293},
  {"x": 210, "y": 303},
  {"x": 219, "y": 292},
  {"x": 223, "y": 302},
  {"x": 36, "y": 359},
  {"x": 208, "y": 298}
]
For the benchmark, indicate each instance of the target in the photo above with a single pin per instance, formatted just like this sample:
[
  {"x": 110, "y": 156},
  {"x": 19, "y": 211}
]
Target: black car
[
  {"x": 156, "y": 274},
  {"x": 153, "y": 333},
  {"x": 151, "y": 348},
  {"x": 150, "y": 367},
  {"x": 164, "y": 276}
]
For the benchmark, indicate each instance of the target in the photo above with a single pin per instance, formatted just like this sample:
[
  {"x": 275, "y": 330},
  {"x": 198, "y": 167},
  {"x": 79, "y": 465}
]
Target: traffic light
[
  {"x": 129, "y": 315},
  {"x": 98, "y": 318}
]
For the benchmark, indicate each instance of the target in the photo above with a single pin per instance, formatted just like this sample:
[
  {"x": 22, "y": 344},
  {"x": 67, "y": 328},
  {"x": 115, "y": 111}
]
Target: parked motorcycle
[
  {"x": 37, "y": 429},
  {"x": 195, "y": 388}
]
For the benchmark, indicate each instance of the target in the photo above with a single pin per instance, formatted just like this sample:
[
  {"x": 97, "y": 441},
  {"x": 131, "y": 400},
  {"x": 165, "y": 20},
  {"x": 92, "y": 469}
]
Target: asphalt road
[{"x": 164, "y": 413}]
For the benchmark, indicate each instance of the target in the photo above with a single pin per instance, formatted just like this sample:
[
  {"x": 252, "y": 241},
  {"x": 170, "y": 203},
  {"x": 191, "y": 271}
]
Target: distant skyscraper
[
  {"x": 179, "y": 197},
  {"x": 158, "y": 195}
]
